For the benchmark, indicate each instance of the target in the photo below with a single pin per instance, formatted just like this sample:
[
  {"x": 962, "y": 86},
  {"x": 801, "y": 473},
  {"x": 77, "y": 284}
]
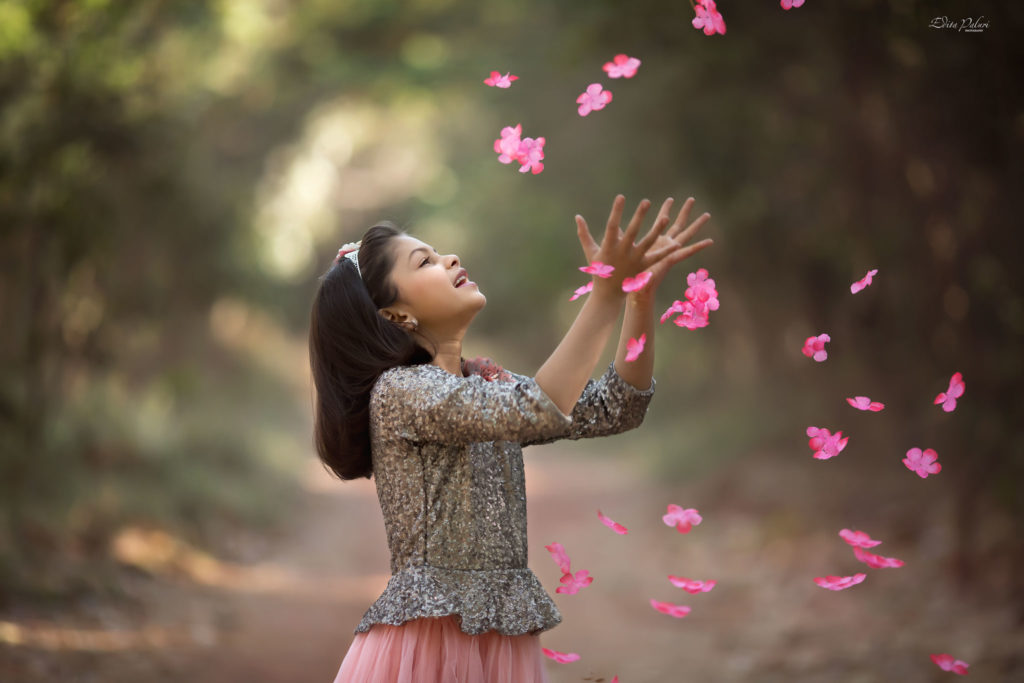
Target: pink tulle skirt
[{"x": 435, "y": 650}]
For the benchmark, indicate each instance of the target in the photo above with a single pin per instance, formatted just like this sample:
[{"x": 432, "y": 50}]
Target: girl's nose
[{"x": 453, "y": 260}]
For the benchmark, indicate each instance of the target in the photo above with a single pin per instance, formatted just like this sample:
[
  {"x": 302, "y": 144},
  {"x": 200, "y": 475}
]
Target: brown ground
[{"x": 770, "y": 526}]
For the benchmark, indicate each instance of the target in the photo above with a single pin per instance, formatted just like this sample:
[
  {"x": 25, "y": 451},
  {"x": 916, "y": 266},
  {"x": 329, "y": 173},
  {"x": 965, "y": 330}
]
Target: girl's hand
[
  {"x": 618, "y": 249},
  {"x": 678, "y": 235}
]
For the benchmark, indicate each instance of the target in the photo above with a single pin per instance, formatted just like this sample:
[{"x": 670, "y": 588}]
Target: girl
[{"x": 443, "y": 438}]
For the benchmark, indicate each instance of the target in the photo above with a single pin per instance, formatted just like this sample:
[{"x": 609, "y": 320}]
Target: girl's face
[{"x": 434, "y": 291}]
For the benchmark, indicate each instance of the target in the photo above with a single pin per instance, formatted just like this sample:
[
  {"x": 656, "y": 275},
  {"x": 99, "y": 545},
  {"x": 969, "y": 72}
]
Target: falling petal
[
  {"x": 677, "y": 611},
  {"x": 613, "y": 525},
  {"x": 634, "y": 347}
]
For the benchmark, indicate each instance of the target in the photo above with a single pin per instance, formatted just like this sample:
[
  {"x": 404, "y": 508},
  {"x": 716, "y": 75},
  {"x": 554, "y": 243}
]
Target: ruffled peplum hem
[{"x": 509, "y": 601}]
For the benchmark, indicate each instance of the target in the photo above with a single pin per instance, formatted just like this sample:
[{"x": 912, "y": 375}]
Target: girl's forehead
[{"x": 406, "y": 244}]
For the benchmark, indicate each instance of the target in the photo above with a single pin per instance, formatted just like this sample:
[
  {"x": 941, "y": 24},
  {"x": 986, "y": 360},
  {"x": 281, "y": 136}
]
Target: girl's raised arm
[
  {"x": 640, "y": 311},
  {"x": 565, "y": 373}
]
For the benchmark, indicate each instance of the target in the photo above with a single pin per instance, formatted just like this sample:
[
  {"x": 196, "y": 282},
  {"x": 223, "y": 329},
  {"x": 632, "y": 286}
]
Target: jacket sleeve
[
  {"x": 429, "y": 404},
  {"x": 608, "y": 405}
]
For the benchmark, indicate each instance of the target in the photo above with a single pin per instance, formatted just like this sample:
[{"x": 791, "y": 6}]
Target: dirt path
[{"x": 770, "y": 525}]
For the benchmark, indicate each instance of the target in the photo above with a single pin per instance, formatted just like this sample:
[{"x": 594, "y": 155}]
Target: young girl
[{"x": 443, "y": 438}]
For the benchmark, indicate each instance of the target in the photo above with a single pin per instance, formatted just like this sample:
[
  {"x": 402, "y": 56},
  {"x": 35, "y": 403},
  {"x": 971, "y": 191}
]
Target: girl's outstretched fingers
[
  {"x": 611, "y": 231},
  {"x": 682, "y": 219},
  {"x": 689, "y": 250},
  {"x": 638, "y": 218},
  {"x": 590, "y": 247},
  {"x": 655, "y": 232}
]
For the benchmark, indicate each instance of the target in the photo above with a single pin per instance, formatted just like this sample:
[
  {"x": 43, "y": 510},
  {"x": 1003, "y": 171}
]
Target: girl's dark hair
[{"x": 350, "y": 345}]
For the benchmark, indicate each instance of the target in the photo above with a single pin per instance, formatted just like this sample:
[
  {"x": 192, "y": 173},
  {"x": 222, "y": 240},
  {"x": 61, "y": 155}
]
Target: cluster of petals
[
  {"x": 786, "y": 4},
  {"x": 692, "y": 317},
  {"x": 701, "y": 298},
  {"x": 876, "y": 561},
  {"x": 528, "y": 152},
  {"x": 637, "y": 282},
  {"x": 858, "y": 539},
  {"x": 560, "y": 657},
  {"x": 865, "y": 403},
  {"x": 948, "y": 397},
  {"x": 838, "y": 583},
  {"x": 634, "y": 347},
  {"x": 921, "y": 462},
  {"x": 946, "y": 662},
  {"x": 864, "y": 281},
  {"x": 595, "y": 97},
  {"x": 814, "y": 347},
  {"x": 708, "y": 18},
  {"x": 622, "y": 66},
  {"x": 571, "y": 582},
  {"x": 825, "y": 444},
  {"x": 612, "y": 524},
  {"x": 677, "y": 611},
  {"x": 692, "y": 586},
  {"x": 701, "y": 290},
  {"x": 682, "y": 519},
  {"x": 496, "y": 80}
]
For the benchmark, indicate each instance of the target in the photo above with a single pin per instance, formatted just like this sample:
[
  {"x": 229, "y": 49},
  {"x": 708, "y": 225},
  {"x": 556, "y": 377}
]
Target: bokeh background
[{"x": 174, "y": 176}]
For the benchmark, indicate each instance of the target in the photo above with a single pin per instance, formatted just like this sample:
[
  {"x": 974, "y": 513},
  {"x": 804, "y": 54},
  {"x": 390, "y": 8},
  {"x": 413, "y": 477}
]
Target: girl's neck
[{"x": 449, "y": 357}]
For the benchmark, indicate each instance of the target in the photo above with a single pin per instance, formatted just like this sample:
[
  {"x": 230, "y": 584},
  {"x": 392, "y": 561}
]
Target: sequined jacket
[{"x": 448, "y": 464}]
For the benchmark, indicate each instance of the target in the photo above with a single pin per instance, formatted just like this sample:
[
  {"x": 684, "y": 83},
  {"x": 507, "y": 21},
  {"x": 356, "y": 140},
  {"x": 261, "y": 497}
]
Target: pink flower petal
[
  {"x": 676, "y": 307},
  {"x": 814, "y": 347},
  {"x": 922, "y": 463},
  {"x": 572, "y": 583},
  {"x": 863, "y": 282},
  {"x": 865, "y": 403},
  {"x": 507, "y": 146},
  {"x": 498, "y": 81},
  {"x": 677, "y": 611},
  {"x": 634, "y": 347},
  {"x": 559, "y": 555},
  {"x": 580, "y": 291},
  {"x": 530, "y": 155},
  {"x": 599, "y": 269},
  {"x": 623, "y": 66},
  {"x": 594, "y": 98},
  {"x": 825, "y": 444},
  {"x": 838, "y": 583},
  {"x": 946, "y": 662},
  {"x": 708, "y": 18},
  {"x": 560, "y": 657},
  {"x": 858, "y": 539},
  {"x": 876, "y": 561},
  {"x": 614, "y": 526},
  {"x": 690, "y": 585},
  {"x": 682, "y": 520},
  {"x": 948, "y": 397},
  {"x": 637, "y": 282},
  {"x": 692, "y": 317}
]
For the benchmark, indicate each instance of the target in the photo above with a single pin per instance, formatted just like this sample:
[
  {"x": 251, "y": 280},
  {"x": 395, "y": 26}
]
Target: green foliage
[{"x": 157, "y": 157}]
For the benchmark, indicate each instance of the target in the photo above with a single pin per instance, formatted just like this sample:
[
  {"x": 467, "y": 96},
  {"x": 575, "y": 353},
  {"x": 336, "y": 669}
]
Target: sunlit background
[{"x": 174, "y": 176}]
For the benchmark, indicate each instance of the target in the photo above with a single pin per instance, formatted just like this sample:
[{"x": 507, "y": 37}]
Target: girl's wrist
[
  {"x": 641, "y": 299},
  {"x": 609, "y": 294}
]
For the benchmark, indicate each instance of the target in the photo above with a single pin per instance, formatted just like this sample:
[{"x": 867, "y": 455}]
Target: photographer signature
[{"x": 968, "y": 24}]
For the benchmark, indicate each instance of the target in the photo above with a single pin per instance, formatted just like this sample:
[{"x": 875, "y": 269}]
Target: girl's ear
[{"x": 399, "y": 316}]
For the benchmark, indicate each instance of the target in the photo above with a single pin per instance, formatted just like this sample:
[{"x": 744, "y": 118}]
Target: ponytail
[{"x": 350, "y": 345}]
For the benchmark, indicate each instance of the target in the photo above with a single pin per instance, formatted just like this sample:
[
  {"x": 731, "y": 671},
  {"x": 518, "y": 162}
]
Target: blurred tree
[{"x": 156, "y": 157}]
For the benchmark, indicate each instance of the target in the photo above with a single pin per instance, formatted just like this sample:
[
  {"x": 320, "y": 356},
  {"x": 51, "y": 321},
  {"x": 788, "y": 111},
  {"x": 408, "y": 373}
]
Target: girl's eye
[{"x": 425, "y": 261}]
